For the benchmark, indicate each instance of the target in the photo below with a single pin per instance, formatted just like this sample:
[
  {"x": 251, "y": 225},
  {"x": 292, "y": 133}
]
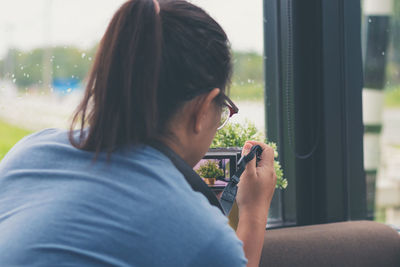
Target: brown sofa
[{"x": 357, "y": 243}]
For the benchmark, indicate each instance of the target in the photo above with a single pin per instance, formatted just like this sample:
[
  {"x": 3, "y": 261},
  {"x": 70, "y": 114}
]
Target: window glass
[{"x": 381, "y": 108}]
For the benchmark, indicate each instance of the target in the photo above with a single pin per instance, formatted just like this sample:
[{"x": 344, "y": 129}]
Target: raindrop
[
  {"x": 75, "y": 66},
  {"x": 369, "y": 20},
  {"x": 27, "y": 75},
  {"x": 83, "y": 55},
  {"x": 12, "y": 76},
  {"x": 37, "y": 64},
  {"x": 69, "y": 90},
  {"x": 73, "y": 76},
  {"x": 383, "y": 53},
  {"x": 57, "y": 66},
  {"x": 90, "y": 58},
  {"x": 14, "y": 80},
  {"x": 22, "y": 68}
]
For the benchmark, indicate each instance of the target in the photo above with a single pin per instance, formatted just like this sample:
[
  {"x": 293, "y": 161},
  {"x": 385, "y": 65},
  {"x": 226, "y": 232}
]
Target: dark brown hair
[{"x": 146, "y": 67}]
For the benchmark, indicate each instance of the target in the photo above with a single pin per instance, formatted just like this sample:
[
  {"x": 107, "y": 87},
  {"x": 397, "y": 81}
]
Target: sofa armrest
[{"x": 357, "y": 243}]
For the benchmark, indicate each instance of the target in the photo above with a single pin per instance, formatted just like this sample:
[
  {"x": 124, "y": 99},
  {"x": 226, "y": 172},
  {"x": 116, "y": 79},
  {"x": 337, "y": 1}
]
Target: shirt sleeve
[{"x": 225, "y": 249}]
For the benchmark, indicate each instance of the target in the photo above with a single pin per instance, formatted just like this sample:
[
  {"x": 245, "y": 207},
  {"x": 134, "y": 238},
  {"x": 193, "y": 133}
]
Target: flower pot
[{"x": 210, "y": 181}]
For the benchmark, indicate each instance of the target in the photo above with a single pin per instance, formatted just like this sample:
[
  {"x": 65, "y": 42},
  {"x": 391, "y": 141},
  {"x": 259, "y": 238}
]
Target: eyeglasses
[{"x": 228, "y": 110}]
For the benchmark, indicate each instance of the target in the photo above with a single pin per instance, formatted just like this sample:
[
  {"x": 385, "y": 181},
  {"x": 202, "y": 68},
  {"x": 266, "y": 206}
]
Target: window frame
[{"x": 313, "y": 77}]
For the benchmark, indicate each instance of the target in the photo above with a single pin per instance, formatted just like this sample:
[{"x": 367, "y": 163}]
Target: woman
[{"x": 102, "y": 194}]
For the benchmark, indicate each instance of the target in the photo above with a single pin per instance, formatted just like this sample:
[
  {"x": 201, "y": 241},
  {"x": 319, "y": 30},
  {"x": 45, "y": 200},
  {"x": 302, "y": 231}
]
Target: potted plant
[
  {"x": 234, "y": 135},
  {"x": 210, "y": 171}
]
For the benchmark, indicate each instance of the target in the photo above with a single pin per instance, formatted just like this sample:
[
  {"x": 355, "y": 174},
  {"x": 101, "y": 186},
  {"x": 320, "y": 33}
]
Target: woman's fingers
[
  {"x": 251, "y": 166},
  {"x": 267, "y": 156}
]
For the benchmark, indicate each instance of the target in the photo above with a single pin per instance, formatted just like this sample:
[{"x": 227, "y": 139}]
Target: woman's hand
[
  {"x": 257, "y": 184},
  {"x": 256, "y": 188}
]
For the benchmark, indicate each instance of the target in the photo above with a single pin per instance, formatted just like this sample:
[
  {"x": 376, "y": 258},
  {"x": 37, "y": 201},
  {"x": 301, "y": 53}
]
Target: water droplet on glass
[
  {"x": 37, "y": 64},
  {"x": 73, "y": 76},
  {"x": 75, "y": 66},
  {"x": 14, "y": 80},
  {"x": 90, "y": 58},
  {"x": 22, "y": 68},
  {"x": 12, "y": 76},
  {"x": 57, "y": 66},
  {"x": 383, "y": 53},
  {"x": 83, "y": 55},
  {"x": 27, "y": 75},
  {"x": 369, "y": 20},
  {"x": 69, "y": 90}
]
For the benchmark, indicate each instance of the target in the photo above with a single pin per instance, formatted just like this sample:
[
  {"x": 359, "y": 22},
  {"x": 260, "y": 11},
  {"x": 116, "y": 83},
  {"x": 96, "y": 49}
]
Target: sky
[{"x": 27, "y": 24}]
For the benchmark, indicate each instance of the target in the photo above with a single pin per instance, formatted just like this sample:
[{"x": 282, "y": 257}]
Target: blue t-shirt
[{"x": 59, "y": 207}]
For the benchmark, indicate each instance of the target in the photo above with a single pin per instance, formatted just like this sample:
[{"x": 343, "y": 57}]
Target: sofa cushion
[{"x": 357, "y": 243}]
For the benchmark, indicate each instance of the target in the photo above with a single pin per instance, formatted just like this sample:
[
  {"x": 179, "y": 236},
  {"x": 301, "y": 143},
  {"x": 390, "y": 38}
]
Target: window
[{"x": 381, "y": 109}]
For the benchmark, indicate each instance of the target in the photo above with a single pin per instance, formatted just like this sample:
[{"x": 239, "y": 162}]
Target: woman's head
[{"x": 153, "y": 66}]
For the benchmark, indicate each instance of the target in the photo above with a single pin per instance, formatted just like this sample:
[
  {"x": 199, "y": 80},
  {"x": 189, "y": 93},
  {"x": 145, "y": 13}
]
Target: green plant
[
  {"x": 235, "y": 135},
  {"x": 210, "y": 169}
]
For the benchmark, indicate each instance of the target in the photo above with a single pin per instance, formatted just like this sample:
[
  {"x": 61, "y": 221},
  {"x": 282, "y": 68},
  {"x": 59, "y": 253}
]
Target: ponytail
[
  {"x": 144, "y": 72},
  {"x": 120, "y": 102}
]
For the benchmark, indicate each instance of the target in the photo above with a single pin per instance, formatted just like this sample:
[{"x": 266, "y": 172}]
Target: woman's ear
[{"x": 205, "y": 110}]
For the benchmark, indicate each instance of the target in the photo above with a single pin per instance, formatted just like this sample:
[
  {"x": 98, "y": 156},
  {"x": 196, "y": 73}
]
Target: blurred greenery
[
  {"x": 9, "y": 136},
  {"x": 68, "y": 62},
  {"x": 392, "y": 97},
  {"x": 247, "y": 91},
  {"x": 25, "y": 68}
]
